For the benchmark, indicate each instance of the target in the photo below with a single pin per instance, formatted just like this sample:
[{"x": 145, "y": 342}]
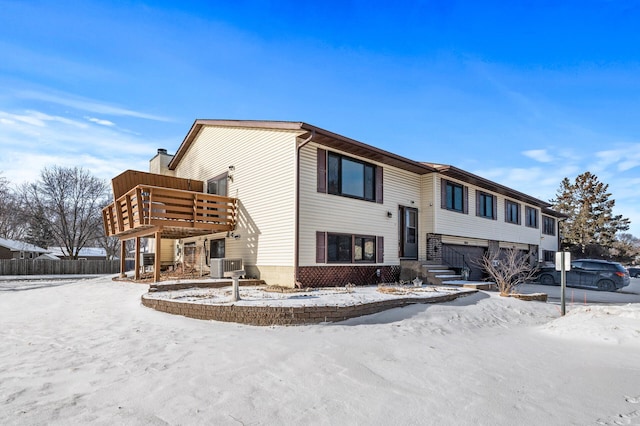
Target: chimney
[{"x": 160, "y": 163}]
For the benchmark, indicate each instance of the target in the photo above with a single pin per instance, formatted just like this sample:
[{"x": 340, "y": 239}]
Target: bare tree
[
  {"x": 12, "y": 224},
  {"x": 508, "y": 268},
  {"x": 111, "y": 245},
  {"x": 69, "y": 201}
]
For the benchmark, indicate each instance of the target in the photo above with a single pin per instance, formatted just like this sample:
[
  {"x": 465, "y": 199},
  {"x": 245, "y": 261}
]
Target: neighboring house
[
  {"x": 12, "y": 249},
  {"x": 299, "y": 203},
  {"x": 85, "y": 253}
]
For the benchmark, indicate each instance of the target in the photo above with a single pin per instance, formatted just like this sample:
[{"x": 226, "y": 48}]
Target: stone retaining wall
[{"x": 274, "y": 315}]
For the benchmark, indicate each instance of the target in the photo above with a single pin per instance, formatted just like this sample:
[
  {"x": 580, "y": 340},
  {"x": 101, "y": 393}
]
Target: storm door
[{"x": 408, "y": 230}]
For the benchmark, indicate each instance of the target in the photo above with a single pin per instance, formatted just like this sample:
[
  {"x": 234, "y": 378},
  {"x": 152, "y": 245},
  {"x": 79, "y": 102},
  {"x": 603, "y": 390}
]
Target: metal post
[
  {"x": 563, "y": 283},
  {"x": 235, "y": 294}
]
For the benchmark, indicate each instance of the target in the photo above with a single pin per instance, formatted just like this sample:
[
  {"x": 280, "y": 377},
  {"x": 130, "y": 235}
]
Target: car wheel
[
  {"x": 547, "y": 279},
  {"x": 606, "y": 285}
]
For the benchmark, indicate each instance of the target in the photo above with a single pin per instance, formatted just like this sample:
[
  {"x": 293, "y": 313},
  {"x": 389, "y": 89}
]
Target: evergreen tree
[
  {"x": 589, "y": 208},
  {"x": 39, "y": 231}
]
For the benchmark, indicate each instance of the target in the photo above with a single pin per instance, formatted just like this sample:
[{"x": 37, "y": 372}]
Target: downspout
[{"x": 296, "y": 243}]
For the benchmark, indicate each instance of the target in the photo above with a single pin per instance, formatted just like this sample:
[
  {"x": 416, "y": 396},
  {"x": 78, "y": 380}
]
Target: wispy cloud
[
  {"x": 623, "y": 158},
  {"x": 540, "y": 155},
  {"x": 32, "y": 140},
  {"x": 100, "y": 121},
  {"x": 87, "y": 105}
]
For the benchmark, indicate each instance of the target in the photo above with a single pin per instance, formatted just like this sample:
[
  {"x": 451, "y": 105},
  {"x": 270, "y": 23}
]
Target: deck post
[
  {"x": 137, "y": 260},
  {"x": 123, "y": 258},
  {"x": 156, "y": 263}
]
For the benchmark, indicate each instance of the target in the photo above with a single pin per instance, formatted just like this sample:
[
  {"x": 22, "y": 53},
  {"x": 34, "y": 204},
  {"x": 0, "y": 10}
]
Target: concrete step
[{"x": 478, "y": 285}]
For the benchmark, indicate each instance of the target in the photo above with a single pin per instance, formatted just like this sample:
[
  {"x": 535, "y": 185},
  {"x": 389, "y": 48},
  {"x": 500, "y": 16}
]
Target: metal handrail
[{"x": 454, "y": 258}]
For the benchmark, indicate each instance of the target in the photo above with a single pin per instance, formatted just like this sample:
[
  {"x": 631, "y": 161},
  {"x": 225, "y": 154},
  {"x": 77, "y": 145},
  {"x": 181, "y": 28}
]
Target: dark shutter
[
  {"x": 519, "y": 214},
  {"x": 495, "y": 207},
  {"x": 443, "y": 193},
  {"x": 380, "y": 249},
  {"x": 322, "y": 170},
  {"x": 379, "y": 191},
  {"x": 477, "y": 203},
  {"x": 465, "y": 200},
  {"x": 321, "y": 247}
]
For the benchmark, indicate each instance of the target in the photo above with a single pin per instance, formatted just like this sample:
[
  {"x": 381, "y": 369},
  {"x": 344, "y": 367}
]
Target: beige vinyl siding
[
  {"x": 334, "y": 213},
  {"x": 464, "y": 241},
  {"x": 428, "y": 211},
  {"x": 549, "y": 242},
  {"x": 263, "y": 181},
  {"x": 472, "y": 226}
]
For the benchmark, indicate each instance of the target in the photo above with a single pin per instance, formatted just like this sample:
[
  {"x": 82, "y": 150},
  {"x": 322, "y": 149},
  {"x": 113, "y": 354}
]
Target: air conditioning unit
[
  {"x": 220, "y": 266},
  {"x": 147, "y": 259}
]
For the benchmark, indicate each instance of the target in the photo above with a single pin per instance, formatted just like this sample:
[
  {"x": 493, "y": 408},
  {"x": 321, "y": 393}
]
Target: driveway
[{"x": 629, "y": 294}]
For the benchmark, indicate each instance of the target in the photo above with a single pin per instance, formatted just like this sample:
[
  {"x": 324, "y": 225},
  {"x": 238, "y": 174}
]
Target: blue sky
[{"x": 524, "y": 93}]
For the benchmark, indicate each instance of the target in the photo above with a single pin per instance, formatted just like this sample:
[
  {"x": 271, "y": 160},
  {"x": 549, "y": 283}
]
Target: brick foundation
[{"x": 326, "y": 276}]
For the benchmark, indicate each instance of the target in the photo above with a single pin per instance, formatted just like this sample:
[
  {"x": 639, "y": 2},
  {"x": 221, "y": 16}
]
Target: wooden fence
[{"x": 61, "y": 267}]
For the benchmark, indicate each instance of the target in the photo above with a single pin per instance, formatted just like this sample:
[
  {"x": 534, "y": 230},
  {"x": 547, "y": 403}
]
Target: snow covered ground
[{"x": 85, "y": 351}]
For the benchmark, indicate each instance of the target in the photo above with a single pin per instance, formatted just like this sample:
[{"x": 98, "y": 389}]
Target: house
[
  {"x": 85, "y": 253},
  {"x": 297, "y": 203},
  {"x": 12, "y": 249}
]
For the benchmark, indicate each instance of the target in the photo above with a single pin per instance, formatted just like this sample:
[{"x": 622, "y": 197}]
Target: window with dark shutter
[
  {"x": 353, "y": 178},
  {"x": 512, "y": 212},
  {"x": 454, "y": 196},
  {"x": 486, "y": 205}
]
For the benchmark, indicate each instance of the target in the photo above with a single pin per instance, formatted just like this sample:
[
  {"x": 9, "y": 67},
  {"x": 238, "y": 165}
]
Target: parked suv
[
  {"x": 589, "y": 273},
  {"x": 634, "y": 272}
]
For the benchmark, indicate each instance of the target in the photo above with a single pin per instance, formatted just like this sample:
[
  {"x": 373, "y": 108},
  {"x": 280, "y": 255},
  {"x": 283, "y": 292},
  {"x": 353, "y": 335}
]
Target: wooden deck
[{"x": 173, "y": 213}]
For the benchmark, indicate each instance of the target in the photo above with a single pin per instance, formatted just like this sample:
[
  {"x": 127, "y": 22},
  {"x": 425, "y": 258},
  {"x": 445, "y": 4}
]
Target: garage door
[{"x": 472, "y": 256}]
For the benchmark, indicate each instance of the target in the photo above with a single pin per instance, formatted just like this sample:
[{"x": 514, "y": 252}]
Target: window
[
  {"x": 548, "y": 225},
  {"x": 512, "y": 212},
  {"x": 485, "y": 205},
  {"x": 549, "y": 255},
  {"x": 364, "y": 249},
  {"x": 351, "y": 178},
  {"x": 531, "y": 217},
  {"x": 350, "y": 248},
  {"x": 218, "y": 185},
  {"x": 339, "y": 248},
  {"x": 454, "y": 196},
  {"x": 217, "y": 248}
]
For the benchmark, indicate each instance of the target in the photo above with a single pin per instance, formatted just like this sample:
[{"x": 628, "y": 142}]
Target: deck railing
[{"x": 147, "y": 206}]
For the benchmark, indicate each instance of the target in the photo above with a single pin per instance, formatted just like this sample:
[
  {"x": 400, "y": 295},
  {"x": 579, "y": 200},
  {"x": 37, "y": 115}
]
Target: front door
[{"x": 408, "y": 230}]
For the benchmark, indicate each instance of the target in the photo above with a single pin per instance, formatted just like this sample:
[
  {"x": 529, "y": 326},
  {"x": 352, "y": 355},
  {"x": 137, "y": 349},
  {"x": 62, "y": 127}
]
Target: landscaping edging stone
[
  {"x": 280, "y": 315},
  {"x": 539, "y": 297}
]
